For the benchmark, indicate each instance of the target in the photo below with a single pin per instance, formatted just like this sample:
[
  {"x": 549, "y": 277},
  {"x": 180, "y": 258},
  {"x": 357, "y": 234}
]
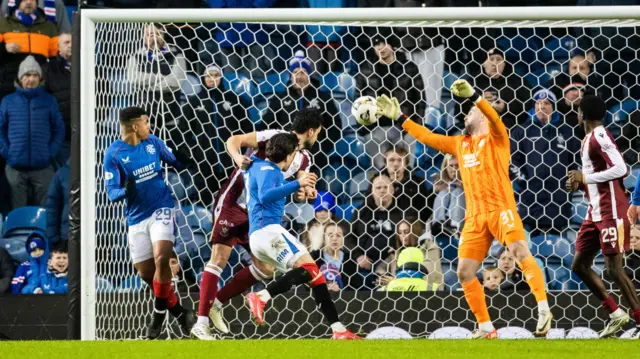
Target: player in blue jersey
[
  {"x": 133, "y": 172},
  {"x": 271, "y": 243}
]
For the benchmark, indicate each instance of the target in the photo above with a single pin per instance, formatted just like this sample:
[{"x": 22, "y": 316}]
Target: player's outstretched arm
[
  {"x": 462, "y": 88},
  {"x": 389, "y": 107},
  {"x": 235, "y": 144},
  {"x": 175, "y": 158},
  {"x": 269, "y": 193}
]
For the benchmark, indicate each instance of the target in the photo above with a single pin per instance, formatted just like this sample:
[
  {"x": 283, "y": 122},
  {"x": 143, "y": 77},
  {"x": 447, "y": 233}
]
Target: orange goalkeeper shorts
[{"x": 480, "y": 230}]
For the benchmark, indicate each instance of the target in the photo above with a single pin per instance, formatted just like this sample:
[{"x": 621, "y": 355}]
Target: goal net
[{"x": 203, "y": 80}]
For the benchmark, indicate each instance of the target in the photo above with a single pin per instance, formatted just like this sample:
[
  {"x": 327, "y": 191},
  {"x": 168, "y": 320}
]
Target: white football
[{"x": 364, "y": 110}]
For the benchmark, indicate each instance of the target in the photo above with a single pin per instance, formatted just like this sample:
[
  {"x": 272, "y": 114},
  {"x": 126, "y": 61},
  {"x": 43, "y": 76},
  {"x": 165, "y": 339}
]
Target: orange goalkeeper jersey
[{"x": 483, "y": 161}]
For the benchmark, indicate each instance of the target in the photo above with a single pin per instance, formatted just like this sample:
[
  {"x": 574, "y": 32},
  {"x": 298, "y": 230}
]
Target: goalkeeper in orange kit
[{"x": 483, "y": 154}]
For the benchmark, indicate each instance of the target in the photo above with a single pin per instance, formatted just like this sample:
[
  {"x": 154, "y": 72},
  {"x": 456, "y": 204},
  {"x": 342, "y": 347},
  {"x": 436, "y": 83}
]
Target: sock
[
  {"x": 618, "y": 313},
  {"x": 162, "y": 292},
  {"x": 264, "y": 295},
  {"x": 338, "y": 327},
  {"x": 636, "y": 316},
  {"x": 610, "y": 305},
  {"x": 208, "y": 289},
  {"x": 486, "y": 327},
  {"x": 293, "y": 277},
  {"x": 543, "y": 307},
  {"x": 474, "y": 294},
  {"x": 325, "y": 304},
  {"x": 535, "y": 278},
  {"x": 174, "y": 305},
  {"x": 239, "y": 284},
  {"x": 203, "y": 320}
]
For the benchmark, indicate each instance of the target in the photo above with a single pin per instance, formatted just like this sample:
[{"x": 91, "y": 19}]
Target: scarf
[
  {"x": 26, "y": 20},
  {"x": 49, "y": 10}
]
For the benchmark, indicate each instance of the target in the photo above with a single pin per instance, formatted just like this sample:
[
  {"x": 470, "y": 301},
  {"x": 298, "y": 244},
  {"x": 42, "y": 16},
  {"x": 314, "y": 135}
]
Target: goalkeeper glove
[
  {"x": 388, "y": 107},
  {"x": 462, "y": 88},
  {"x": 130, "y": 189}
]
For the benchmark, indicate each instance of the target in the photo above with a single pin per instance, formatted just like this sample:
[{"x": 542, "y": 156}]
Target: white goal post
[{"x": 520, "y": 17}]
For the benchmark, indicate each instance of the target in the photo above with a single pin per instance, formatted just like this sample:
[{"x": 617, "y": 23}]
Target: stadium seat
[
  {"x": 350, "y": 151},
  {"x": 558, "y": 49},
  {"x": 540, "y": 77},
  {"x": 358, "y": 186},
  {"x": 579, "y": 209},
  {"x": 131, "y": 284},
  {"x": 542, "y": 246},
  {"x": 16, "y": 246},
  {"x": 178, "y": 185},
  {"x": 345, "y": 211},
  {"x": 25, "y": 220},
  {"x": 448, "y": 247},
  {"x": 274, "y": 83},
  {"x": 630, "y": 180},
  {"x": 1, "y": 223},
  {"x": 622, "y": 111},
  {"x": 103, "y": 285},
  {"x": 450, "y": 277},
  {"x": 190, "y": 86},
  {"x": 198, "y": 218}
]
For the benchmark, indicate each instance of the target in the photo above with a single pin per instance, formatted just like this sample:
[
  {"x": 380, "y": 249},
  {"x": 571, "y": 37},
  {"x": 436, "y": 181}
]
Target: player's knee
[
  {"x": 613, "y": 271},
  {"x": 579, "y": 268},
  {"x": 520, "y": 250},
  {"x": 465, "y": 274},
  {"x": 162, "y": 260}
]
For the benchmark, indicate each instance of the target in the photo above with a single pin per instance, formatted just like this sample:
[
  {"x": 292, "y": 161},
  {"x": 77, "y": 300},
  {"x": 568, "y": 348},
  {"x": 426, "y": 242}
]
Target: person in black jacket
[
  {"x": 208, "y": 120},
  {"x": 513, "y": 279},
  {"x": 303, "y": 93},
  {"x": 505, "y": 90},
  {"x": 7, "y": 271},
  {"x": 58, "y": 83},
  {"x": 334, "y": 260},
  {"x": 579, "y": 66},
  {"x": 393, "y": 75}
]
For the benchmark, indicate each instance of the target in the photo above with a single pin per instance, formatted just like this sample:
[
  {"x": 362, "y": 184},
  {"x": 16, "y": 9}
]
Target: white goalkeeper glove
[
  {"x": 462, "y": 88},
  {"x": 388, "y": 107}
]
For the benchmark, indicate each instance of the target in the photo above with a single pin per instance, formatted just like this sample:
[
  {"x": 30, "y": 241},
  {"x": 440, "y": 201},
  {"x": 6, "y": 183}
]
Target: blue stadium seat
[
  {"x": 630, "y": 180},
  {"x": 622, "y": 111},
  {"x": 358, "y": 186},
  {"x": 25, "y": 220},
  {"x": 448, "y": 247},
  {"x": 579, "y": 209},
  {"x": 181, "y": 185},
  {"x": 274, "y": 83},
  {"x": 103, "y": 285},
  {"x": 16, "y": 246},
  {"x": 131, "y": 284},
  {"x": 432, "y": 117},
  {"x": 558, "y": 49},
  {"x": 198, "y": 218},
  {"x": 190, "y": 86},
  {"x": 540, "y": 77},
  {"x": 345, "y": 211},
  {"x": 241, "y": 86},
  {"x": 495, "y": 248},
  {"x": 450, "y": 277},
  {"x": 1, "y": 223},
  {"x": 542, "y": 246}
]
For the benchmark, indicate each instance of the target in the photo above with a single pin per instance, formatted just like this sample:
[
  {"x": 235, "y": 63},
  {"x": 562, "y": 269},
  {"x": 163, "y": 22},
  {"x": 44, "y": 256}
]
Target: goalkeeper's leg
[{"x": 474, "y": 294}]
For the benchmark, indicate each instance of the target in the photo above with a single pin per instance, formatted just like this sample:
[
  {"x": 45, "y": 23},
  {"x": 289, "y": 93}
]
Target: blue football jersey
[
  {"x": 266, "y": 192},
  {"x": 141, "y": 162}
]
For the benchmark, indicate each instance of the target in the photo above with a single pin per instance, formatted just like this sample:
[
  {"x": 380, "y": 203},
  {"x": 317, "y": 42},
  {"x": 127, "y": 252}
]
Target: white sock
[
  {"x": 543, "y": 307},
  {"x": 203, "y": 319},
  {"x": 617, "y": 314},
  {"x": 217, "y": 304},
  {"x": 264, "y": 295},
  {"x": 338, "y": 327},
  {"x": 486, "y": 327}
]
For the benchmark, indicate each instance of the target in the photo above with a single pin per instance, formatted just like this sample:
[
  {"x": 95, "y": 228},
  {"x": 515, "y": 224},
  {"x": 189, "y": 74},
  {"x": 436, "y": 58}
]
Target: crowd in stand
[{"x": 398, "y": 229}]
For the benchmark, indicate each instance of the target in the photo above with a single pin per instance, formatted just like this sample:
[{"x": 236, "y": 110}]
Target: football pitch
[{"x": 325, "y": 349}]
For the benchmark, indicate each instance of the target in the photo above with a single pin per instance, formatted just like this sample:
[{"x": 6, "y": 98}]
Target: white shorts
[
  {"x": 158, "y": 227},
  {"x": 275, "y": 246}
]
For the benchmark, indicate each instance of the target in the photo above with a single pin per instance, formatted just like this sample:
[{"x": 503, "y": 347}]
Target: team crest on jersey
[
  {"x": 224, "y": 231},
  {"x": 108, "y": 176},
  {"x": 151, "y": 150}
]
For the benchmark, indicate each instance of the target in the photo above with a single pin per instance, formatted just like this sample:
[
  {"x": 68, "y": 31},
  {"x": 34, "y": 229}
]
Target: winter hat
[
  {"x": 576, "y": 82},
  {"x": 35, "y": 242},
  {"x": 29, "y": 64},
  {"x": 495, "y": 51},
  {"x": 299, "y": 60},
  {"x": 410, "y": 259},
  {"x": 325, "y": 201},
  {"x": 545, "y": 94},
  {"x": 49, "y": 9},
  {"x": 212, "y": 67}
]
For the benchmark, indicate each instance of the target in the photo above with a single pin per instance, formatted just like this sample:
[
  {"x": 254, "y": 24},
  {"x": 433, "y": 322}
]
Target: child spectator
[
  {"x": 411, "y": 191},
  {"x": 54, "y": 280},
  {"x": 27, "y": 278},
  {"x": 58, "y": 206},
  {"x": 6, "y": 271},
  {"x": 632, "y": 258},
  {"x": 334, "y": 259},
  {"x": 492, "y": 278},
  {"x": 449, "y": 206},
  {"x": 513, "y": 275}
]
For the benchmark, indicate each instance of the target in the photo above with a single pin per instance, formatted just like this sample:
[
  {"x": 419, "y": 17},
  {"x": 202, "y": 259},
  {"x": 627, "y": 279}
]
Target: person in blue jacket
[
  {"x": 54, "y": 280},
  {"x": 27, "y": 277},
  {"x": 31, "y": 134},
  {"x": 57, "y": 206}
]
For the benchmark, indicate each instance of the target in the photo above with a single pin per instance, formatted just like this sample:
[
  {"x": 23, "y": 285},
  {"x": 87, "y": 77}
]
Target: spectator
[
  {"x": 54, "y": 280},
  {"x": 243, "y": 47},
  {"x": 505, "y": 90},
  {"x": 31, "y": 133},
  {"x": 410, "y": 188},
  {"x": 513, "y": 276},
  {"x": 492, "y": 278},
  {"x": 18, "y": 33},
  {"x": 6, "y": 271},
  {"x": 374, "y": 226},
  {"x": 27, "y": 278},
  {"x": 409, "y": 235},
  {"x": 324, "y": 42},
  {"x": 450, "y": 205},
  {"x": 58, "y": 207},
  {"x": 313, "y": 236},
  {"x": 209, "y": 119},
  {"x": 324, "y": 207},
  {"x": 393, "y": 75},
  {"x": 155, "y": 71},
  {"x": 572, "y": 94},
  {"x": 580, "y": 69},
  {"x": 57, "y": 13},
  {"x": 411, "y": 274},
  {"x": 303, "y": 93},
  {"x": 632, "y": 258},
  {"x": 334, "y": 259},
  {"x": 543, "y": 150},
  {"x": 58, "y": 83},
  {"x": 629, "y": 142}
]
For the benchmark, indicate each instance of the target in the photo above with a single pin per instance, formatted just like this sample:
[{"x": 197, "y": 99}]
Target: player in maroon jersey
[
  {"x": 605, "y": 226},
  {"x": 231, "y": 221}
]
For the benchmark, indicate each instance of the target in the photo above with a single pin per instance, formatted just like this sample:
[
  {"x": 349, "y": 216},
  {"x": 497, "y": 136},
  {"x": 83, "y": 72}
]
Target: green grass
[{"x": 325, "y": 349}]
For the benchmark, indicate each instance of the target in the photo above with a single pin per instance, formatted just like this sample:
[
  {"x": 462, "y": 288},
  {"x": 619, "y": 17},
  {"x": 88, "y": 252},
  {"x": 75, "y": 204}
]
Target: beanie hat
[
  {"x": 212, "y": 67},
  {"x": 299, "y": 61},
  {"x": 410, "y": 259},
  {"x": 495, "y": 51},
  {"x": 35, "y": 242},
  {"x": 325, "y": 201},
  {"x": 49, "y": 9},
  {"x": 545, "y": 94},
  {"x": 29, "y": 64}
]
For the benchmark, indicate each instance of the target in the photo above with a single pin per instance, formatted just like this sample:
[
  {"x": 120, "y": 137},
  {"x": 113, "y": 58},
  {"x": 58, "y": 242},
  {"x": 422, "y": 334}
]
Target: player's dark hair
[
  {"x": 280, "y": 146},
  {"x": 593, "y": 108},
  {"x": 131, "y": 113},
  {"x": 60, "y": 247},
  {"x": 306, "y": 119}
]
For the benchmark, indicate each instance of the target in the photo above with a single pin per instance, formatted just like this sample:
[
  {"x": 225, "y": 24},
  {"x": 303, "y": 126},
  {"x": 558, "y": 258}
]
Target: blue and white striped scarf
[{"x": 49, "y": 9}]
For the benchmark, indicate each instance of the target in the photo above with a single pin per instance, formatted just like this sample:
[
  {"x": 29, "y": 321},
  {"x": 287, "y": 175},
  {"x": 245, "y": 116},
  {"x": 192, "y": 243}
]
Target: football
[{"x": 364, "y": 110}]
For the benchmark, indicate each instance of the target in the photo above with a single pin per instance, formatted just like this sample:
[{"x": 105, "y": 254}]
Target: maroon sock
[
  {"x": 636, "y": 316},
  {"x": 208, "y": 289},
  {"x": 240, "y": 282},
  {"x": 610, "y": 305}
]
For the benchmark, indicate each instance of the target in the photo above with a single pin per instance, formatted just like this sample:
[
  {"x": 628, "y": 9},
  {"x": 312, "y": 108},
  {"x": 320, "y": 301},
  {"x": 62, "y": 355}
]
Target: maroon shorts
[
  {"x": 612, "y": 236},
  {"x": 231, "y": 227}
]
